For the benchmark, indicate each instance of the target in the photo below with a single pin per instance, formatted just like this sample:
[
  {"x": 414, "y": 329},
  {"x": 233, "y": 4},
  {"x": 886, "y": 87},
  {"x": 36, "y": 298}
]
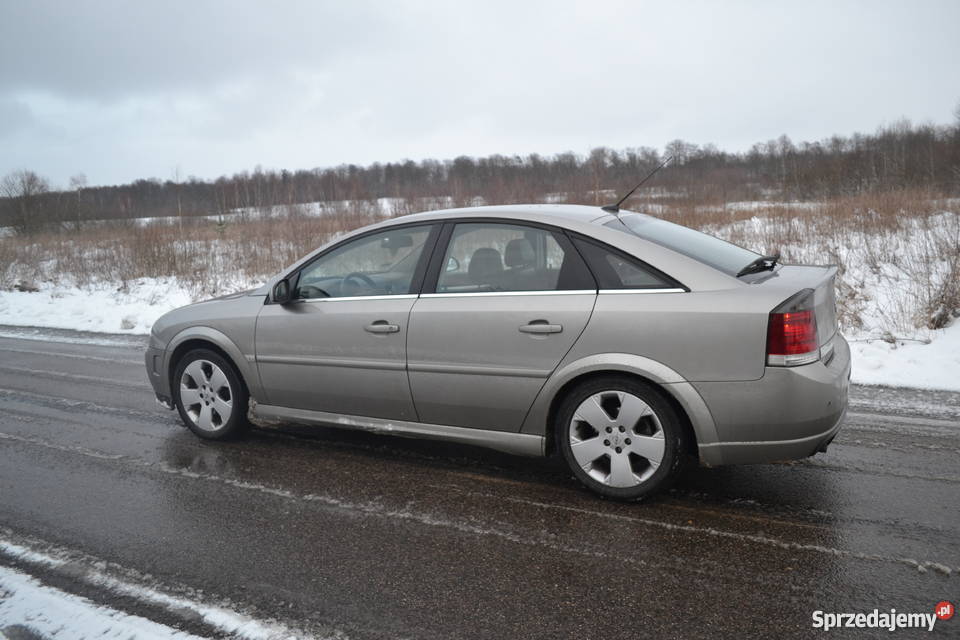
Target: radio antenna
[{"x": 615, "y": 208}]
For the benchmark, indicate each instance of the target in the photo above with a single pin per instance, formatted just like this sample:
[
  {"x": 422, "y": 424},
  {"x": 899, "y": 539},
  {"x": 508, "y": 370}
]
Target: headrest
[
  {"x": 519, "y": 253},
  {"x": 484, "y": 264}
]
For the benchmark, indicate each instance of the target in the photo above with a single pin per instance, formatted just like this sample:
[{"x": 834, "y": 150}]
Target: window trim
[
  {"x": 651, "y": 290},
  {"x": 432, "y": 278},
  {"x": 391, "y": 296},
  {"x": 672, "y": 284},
  {"x": 416, "y": 282},
  {"x": 494, "y": 294}
]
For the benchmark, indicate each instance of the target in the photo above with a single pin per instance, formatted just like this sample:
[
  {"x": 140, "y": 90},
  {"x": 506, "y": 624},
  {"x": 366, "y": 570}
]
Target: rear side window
[
  {"x": 492, "y": 257},
  {"x": 616, "y": 270},
  {"x": 704, "y": 248}
]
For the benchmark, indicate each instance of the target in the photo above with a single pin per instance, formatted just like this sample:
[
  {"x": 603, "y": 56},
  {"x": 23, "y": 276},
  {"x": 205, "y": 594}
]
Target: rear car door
[
  {"x": 502, "y": 304},
  {"x": 340, "y": 345}
]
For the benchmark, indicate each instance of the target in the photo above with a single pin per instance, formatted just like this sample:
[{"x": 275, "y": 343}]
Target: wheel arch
[
  {"x": 682, "y": 396},
  {"x": 216, "y": 341}
]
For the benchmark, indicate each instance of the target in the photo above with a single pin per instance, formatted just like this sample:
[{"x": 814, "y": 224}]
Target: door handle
[
  {"x": 540, "y": 327},
  {"x": 381, "y": 326}
]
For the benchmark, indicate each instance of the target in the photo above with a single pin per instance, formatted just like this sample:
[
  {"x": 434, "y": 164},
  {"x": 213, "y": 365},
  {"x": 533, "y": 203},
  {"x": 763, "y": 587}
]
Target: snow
[
  {"x": 52, "y": 612},
  {"x": 888, "y": 278},
  {"x": 910, "y": 364},
  {"x": 49, "y": 612},
  {"x": 387, "y": 207},
  {"x": 104, "y": 308}
]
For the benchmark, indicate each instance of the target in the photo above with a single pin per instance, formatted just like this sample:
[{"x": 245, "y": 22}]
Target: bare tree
[
  {"x": 176, "y": 177},
  {"x": 25, "y": 189},
  {"x": 77, "y": 184}
]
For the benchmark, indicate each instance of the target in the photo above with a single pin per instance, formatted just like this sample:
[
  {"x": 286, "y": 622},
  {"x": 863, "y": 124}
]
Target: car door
[
  {"x": 340, "y": 345},
  {"x": 506, "y": 302}
]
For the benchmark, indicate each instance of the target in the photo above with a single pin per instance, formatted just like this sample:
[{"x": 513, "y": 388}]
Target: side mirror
[
  {"x": 453, "y": 264},
  {"x": 281, "y": 292}
]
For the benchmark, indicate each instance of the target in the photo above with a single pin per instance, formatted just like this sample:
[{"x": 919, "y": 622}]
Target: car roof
[{"x": 562, "y": 212}]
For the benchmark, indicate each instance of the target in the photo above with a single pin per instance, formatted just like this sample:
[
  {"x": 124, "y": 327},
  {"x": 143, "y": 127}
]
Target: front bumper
[
  {"x": 153, "y": 359},
  {"x": 790, "y": 413}
]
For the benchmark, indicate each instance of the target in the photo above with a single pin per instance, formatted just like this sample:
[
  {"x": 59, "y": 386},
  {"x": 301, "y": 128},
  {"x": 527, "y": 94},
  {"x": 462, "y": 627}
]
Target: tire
[
  {"x": 210, "y": 396},
  {"x": 620, "y": 438}
]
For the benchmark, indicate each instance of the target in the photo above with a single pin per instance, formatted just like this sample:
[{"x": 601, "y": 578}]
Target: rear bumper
[{"x": 790, "y": 413}]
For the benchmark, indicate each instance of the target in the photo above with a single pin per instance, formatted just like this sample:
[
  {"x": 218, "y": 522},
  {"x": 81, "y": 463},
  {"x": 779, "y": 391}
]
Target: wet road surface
[{"x": 344, "y": 534}]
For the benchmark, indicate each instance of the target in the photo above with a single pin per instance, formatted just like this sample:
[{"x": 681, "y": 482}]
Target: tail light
[{"x": 792, "y": 332}]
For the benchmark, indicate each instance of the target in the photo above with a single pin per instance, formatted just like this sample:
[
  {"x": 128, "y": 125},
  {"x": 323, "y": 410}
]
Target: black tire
[
  {"x": 236, "y": 423},
  {"x": 675, "y": 455}
]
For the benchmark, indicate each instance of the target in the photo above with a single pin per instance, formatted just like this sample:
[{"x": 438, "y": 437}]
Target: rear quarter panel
[{"x": 707, "y": 335}]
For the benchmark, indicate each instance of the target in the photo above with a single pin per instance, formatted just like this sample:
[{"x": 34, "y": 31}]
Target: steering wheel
[{"x": 350, "y": 280}]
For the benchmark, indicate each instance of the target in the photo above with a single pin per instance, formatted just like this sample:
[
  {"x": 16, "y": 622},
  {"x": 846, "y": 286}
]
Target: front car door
[
  {"x": 340, "y": 346},
  {"x": 508, "y": 303}
]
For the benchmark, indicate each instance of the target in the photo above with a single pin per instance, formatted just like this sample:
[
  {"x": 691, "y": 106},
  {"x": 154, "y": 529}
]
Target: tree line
[{"x": 898, "y": 156}]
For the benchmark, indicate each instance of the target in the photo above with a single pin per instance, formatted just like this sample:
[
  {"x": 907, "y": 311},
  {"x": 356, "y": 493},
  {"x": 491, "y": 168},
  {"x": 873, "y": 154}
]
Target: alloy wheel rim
[
  {"x": 617, "y": 439},
  {"x": 206, "y": 395}
]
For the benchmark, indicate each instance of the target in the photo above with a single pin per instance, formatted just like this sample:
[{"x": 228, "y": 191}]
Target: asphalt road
[{"x": 332, "y": 532}]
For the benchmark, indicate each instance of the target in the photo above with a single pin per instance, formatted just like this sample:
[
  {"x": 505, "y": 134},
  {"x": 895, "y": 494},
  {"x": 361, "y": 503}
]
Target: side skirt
[{"x": 523, "y": 444}]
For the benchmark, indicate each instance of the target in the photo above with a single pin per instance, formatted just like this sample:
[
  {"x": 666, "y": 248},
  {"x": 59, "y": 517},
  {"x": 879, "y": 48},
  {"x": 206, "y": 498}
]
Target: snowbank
[
  {"x": 133, "y": 310},
  {"x": 108, "y": 308},
  {"x": 44, "y": 611},
  {"x": 910, "y": 364}
]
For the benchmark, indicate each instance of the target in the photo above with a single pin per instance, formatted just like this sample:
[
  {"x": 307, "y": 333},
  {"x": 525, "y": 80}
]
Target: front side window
[
  {"x": 491, "y": 257},
  {"x": 375, "y": 265}
]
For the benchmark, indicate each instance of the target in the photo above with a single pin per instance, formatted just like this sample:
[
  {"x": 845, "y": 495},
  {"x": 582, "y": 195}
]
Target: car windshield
[{"x": 707, "y": 249}]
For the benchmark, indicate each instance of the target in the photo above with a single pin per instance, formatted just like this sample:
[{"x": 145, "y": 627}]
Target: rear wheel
[
  {"x": 620, "y": 437},
  {"x": 209, "y": 395}
]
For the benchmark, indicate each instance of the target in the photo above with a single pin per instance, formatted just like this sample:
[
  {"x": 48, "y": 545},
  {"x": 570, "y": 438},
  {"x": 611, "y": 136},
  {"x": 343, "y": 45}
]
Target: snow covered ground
[
  {"x": 31, "y": 609},
  {"x": 885, "y": 289},
  {"x": 27, "y": 606},
  {"x": 910, "y": 364},
  {"x": 106, "y": 308},
  {"x": 924, "y": 359}
]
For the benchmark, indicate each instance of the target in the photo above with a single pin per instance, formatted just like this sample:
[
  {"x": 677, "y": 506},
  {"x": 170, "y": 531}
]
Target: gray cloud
[{"x": 123, "y": 90}]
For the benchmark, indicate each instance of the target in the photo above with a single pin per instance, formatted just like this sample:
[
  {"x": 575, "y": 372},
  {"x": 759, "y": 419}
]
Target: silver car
[{"x": 624, "y": 343}]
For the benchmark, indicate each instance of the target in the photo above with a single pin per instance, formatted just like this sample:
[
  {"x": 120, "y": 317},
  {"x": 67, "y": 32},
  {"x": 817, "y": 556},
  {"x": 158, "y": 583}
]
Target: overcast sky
[{"x": 124, "y": 90}]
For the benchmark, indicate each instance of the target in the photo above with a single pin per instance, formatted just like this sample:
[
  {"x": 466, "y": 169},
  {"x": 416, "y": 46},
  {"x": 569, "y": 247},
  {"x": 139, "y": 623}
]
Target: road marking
[
  {"x": 92, "y": 453},
  {"x": 60, "y": 375},
  {"x": 812, "y": 463},
  {"x": 77, "y": 356},
  {"x": 545, "y": 539},
  {"x": 899, "y": 420},
  {"x": 922, "y": 566},
  {"x": 36, "y": 335}
]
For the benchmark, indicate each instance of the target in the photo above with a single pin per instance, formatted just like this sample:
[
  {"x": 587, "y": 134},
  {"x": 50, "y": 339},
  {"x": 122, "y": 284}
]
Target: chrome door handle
[
  {"x": 381, "y": 326},
  {"x": 540, "y": 327}
]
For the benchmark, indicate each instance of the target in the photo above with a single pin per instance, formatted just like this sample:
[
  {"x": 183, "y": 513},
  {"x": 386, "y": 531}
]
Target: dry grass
[
  {"x": 901, "y": 238},
  {"x": 206, "y": 256}
]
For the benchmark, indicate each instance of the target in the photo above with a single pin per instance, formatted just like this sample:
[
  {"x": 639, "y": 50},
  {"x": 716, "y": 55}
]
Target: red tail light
[{"x": 792, "y": 332}]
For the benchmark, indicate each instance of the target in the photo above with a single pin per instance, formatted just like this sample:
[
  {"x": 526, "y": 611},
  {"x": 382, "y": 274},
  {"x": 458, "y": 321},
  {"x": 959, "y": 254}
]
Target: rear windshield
[{"x": 715, "y": 252}]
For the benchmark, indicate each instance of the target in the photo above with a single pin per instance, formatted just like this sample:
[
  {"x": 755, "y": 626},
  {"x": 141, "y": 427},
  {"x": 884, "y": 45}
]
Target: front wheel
[
  {"x": 209, "y": 395},
  {"x": 620, "y": 437}
]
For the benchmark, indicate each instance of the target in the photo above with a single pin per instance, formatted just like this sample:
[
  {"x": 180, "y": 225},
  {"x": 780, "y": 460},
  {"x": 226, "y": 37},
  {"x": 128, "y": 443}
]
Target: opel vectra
[{"x": 624, "y": 343}]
